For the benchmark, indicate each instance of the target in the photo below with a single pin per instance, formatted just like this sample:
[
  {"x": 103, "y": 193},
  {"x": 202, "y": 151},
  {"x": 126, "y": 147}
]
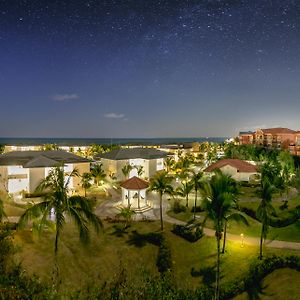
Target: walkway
[
  {"x": 247, "y": 240},
  {"x": 154, "y": 214}
]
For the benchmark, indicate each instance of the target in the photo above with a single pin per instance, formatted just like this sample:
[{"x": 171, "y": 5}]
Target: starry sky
[{"x": 148, "y": 68}]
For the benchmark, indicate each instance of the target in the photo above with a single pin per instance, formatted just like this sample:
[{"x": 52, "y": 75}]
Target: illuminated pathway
[{"x": 247, "y": 240}]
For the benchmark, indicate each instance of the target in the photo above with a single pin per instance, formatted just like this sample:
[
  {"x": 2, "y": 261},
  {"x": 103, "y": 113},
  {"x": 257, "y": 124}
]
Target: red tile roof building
[
  {"x": 279, "y": 138},
  {"x": 238, "y": 169}
]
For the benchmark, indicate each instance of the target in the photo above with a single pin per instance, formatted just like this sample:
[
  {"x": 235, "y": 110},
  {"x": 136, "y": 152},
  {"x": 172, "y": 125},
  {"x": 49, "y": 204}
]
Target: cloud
[
  {"x": 64, "y": 97},
  {"x": 114, "y": 116}
]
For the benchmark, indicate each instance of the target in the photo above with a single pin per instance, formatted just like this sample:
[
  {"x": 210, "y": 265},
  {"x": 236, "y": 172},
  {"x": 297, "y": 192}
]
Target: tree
[
  {"x": 2, "y": 213},
  {"x": 127, "y": 214},
  {"x": 49, "y": 147},
  {"x": 220, "y": 195},
  {"x": 169, "y": 163},
  {"x": 161, "y": 183},
  {"x": 98, "y": 174},
  {"x": 197, "y": 182},
  {"x": 140, "y": 170},
  {"x": 286, "y": 162},
  {"x": 126, "y": 170},
  {"x": 184, "y": 190},
  {"x": 265, "y": 210},
  {"x": 86, "y": 181},
  {"x": 235, "y": 216},
  {"x": 56, "y": 201}
]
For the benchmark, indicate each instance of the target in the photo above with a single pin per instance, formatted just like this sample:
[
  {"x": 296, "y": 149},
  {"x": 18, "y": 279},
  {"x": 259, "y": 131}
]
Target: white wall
[{"x": 18, "y": 179}]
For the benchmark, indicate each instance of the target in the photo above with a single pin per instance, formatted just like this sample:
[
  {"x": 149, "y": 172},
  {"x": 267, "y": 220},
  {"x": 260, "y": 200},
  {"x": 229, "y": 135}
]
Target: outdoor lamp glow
[{"x": 242, "y": 240}]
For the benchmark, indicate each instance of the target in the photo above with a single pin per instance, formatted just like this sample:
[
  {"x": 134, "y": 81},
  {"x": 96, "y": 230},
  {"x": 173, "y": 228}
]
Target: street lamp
[{"x": 242, "y": 240}]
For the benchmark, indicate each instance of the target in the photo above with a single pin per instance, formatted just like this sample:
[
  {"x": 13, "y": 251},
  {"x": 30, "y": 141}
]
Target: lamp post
[{"x": 242, "y": 240}]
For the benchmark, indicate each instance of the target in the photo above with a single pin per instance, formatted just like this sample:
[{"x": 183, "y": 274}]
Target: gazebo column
[
  {"x": 128, "y": 198},
  {"x": 139, "y": 195}
]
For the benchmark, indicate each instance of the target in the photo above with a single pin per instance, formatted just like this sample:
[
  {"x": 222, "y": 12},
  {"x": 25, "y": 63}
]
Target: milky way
[{"x": 148, "y": 68}]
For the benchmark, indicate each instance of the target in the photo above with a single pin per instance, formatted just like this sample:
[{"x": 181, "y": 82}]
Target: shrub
[
  {"x": 198, "y": 209},
  {"x": 257, "y": 272},
  {"x": 191, "y": 232},
  {"x": 164, "y": 259},
  {"x": 178, "y": 208}
]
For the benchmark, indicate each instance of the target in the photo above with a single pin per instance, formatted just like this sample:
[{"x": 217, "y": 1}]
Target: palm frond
[
  {"x": 238, "y": 217},
  {"x": 33, "y": 212}
]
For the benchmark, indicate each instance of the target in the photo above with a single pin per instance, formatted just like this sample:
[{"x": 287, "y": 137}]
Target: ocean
[{"x": 106, "y": 141}]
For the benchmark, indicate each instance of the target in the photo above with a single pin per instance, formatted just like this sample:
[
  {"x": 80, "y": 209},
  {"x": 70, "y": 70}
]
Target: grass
[
  {"x": 280, "y": 284},
  {"x": 99, "y": 260},
  {"x": 289, "y": 233},
  {"x": 109, "y": 252}
]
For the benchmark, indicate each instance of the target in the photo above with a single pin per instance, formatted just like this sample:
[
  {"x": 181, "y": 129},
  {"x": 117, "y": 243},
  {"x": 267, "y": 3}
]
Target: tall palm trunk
[
  {"x": 217, "y": 290},
  {"x": 161, "y": 212},
  {"x": 224, "y": 238},
  {"x": 55, "y": 278},
  {"x": 195, "y": 204},
  {"x": 187, "y": 201},
  {"x": 261, "y": 242}
]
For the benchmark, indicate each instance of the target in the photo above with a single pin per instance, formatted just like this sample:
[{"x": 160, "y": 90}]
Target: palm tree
[
  {"x": 219, "y": 198},
  {"x": 2, "y": 213},
  {"x": 184, "y": 190},
  {"x": 57, "y": 201},
  {"x": 126, "y": 170},
  {"x": 98, "y": 174},
  {"x": 235, "y": 216},
  {"x": 265, "y": 210},
  {"x": 169, "y": 163},
  {"x": 86, "y": 181},
  {"x": 197, "y": 182},
  {"x": 140, "y": 170},
  {"x": 161, "y": 183},
  {"x": 127, "y": 214}
]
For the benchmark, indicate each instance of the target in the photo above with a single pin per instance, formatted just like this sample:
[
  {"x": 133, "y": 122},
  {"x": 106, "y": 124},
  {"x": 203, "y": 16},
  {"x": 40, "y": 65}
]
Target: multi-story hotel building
[{"x": 279, "y": 138}]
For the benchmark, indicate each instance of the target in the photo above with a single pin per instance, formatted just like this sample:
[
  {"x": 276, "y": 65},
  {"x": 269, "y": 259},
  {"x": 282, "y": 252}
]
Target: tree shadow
[
  {"x": 256, "y": 290},
  {"x": 208, "y": 275},
  {"x": 119, "y": 230},
  {"x": 140, "y": 240}
]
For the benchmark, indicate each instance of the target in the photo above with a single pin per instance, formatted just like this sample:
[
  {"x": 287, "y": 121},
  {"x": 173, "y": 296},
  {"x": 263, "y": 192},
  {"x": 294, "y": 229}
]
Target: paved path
[
  {"x": 247, "y": 240},
  {"x": 154, "y": 214}
]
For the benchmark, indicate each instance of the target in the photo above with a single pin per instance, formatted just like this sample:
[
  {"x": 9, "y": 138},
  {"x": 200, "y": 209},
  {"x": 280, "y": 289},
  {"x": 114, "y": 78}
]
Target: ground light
[{"x": 242, "y": 240}]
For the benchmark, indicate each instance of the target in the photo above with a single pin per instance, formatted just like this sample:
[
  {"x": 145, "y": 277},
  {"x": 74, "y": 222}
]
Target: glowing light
[{"x": 242, "y": 240}]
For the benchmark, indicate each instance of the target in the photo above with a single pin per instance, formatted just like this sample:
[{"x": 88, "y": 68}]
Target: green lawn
[
  {"x": 281, "y": 284},
  {"x": 289, "y": 233},
  {"x": 102, "y": 259}
]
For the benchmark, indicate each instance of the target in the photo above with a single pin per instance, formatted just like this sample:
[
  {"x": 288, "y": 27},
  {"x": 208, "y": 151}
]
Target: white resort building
[
  {"x": 22, "y": 171},
  {"x": 151, "y": 161}
]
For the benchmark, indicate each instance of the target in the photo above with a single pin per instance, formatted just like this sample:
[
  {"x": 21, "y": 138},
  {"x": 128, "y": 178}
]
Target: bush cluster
[
  {"x": 198, "y": 209},
  {"x": 164, "y": 258},
  {"x": 189, "y": 232},
  {"x": 178, "y": 208}
]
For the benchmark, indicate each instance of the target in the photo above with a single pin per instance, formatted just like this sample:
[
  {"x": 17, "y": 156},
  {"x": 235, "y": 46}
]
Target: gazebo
[{"x": 134, "y": 193}]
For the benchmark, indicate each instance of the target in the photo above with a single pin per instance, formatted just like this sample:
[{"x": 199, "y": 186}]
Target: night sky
[{"x": 147, "y": 68}]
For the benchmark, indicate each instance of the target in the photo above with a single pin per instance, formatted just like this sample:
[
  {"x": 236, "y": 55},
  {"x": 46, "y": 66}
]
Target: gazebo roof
[{"x": 135, "y": 183}]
